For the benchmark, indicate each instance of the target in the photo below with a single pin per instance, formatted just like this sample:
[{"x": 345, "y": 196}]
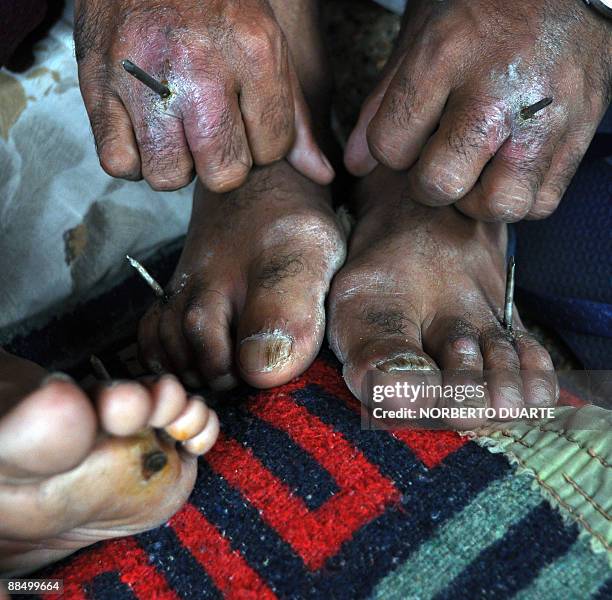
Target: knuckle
[
  {"x": 262, "y": 39},
  {"x": 546, "y": 203},
  {"x": 227, "y": 179},
  {"x": 116, "y": 164},
  {"x": 169, "y": 182},
  {"x": 509, "y": 207},
  {"x": 438, "y": 183},
  {"x": 383, "y": 148}
]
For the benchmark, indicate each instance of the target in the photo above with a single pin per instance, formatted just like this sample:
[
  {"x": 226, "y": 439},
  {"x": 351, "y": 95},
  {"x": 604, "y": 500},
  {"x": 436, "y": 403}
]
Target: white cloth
[{"x": 65, "y": 226}]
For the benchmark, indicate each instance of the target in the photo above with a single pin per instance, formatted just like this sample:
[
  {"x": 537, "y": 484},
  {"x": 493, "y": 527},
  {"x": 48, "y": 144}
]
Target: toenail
[
  {"x": 192, "y": 379},
  {"x": 265, "y": 352},
  {"x": 223, "y": 383},
  {"x": 56, "y": 377},
  {"x": 406, "y": 362}
]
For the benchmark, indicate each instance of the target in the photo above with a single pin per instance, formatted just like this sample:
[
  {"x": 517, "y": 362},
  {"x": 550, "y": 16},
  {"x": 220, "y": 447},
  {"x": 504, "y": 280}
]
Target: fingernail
[
  {"x": 191, "y": 379},
  {"x": 265, "y": 352},
  {"x": 405, "y": 362},
  {"x": 58, "y": 376}
]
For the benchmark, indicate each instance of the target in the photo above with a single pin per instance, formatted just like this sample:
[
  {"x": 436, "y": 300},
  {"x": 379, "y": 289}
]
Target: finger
[
  {"x": 305, "y": 155},
  {"x": 111, "y": 126},
  {"x": 409, "y": 112},
  {"x": 218, "y": 141},
  {"x": 357, "y": 157},
  {"x": 562, "y": 170},
  {"x": 266, "y": 102},
  {"x": 407, "y": 117},
  {"x": 509, "y": 184},
  {"x": 166, "y": 162},
  {"x": 470, "y": 133}
]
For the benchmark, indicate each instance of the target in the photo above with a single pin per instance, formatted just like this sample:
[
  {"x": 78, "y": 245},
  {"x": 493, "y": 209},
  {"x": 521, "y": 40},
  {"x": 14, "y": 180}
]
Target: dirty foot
[
  {"x": 247, "y": 298},
  {"x": 423, "y": 289},
  {"x": 76, "y": 469}
]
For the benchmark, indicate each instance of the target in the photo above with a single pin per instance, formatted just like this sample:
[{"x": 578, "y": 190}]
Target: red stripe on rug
[
  {"x": 123, "y": 557},
  {"x": 566, "y": 398},
  {"x": 431, "y": 447},
  {"x": 314, "y": 535},
  {"x": 226, "y": 567}
]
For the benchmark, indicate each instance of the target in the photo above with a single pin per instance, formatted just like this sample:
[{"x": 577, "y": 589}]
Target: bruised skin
[
  {"x": 247, "y": 297},
  {"x": 235, "y": 98},
  {"x": 448, "y": 105},
  {"x": 423, "y": 289},
  {"x": 76, "y": 469}
]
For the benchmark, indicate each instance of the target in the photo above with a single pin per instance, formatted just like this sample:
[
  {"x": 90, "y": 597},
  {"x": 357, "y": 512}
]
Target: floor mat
[{"x": 296, "y": 501}]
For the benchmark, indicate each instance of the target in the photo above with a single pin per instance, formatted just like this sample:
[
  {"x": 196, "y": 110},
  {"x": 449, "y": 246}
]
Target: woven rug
[{"x": 296, "y": 501}]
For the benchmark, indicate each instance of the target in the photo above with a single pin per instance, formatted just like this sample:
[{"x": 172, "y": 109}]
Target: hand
[
  {"x": 235, "y": 101},
  {"x": 448, "y": 105}
]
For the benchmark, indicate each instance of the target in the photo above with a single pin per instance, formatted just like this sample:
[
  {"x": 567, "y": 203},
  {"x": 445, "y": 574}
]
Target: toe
[
  {"x": 502, "y": 368},
  {"x": 124, "y": 407},
  {"x": 206, "y": 327},
  {"x": 191, "y": 421},
  {"x": 282, "y": 326},
  {"x": 203, "y": 441},
  {"x": 375, "y": 337},
  {"x": 50, "y": 431},
  {"x": 540, "y": 385},
  {"x": 170, "y": 332},
  {"x": 455, "y": 344},
  {"x": 169, "y": 401},
  {"x": 150, "y": 350}
]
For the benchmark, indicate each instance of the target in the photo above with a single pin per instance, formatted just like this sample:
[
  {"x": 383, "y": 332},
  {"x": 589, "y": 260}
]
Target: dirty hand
[
  {"x": 448, "y": 107},
  {"x": 235, "y": 99}
]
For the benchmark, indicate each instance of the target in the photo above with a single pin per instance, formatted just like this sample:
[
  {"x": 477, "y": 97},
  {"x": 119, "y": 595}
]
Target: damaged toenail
[
  {"x": 405, "y": 362},
  {"x": 265, "y": 352},
  {"x": 153, "y": 462},
  {"x": 192, "y": 379}
]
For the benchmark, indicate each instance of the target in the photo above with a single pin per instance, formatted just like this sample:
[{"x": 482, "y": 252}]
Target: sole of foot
[
  {"x": 423, "y": 291},
  {"x": 247, "y": 299},
  {"x": 77, "y": 468}
]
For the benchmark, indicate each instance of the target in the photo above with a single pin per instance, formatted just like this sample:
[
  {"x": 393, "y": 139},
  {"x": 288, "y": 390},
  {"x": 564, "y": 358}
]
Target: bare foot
[
  {"x": 248, "y": 295},
  {"x": 423, "y": 289},
  {"x": 76, "y": 469}
]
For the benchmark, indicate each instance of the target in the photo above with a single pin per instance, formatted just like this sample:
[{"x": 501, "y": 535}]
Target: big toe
[
  {"x": 282, "y": 325},
  {"x": 49, "y": 431},
  {"x": 377, "y": 338}
]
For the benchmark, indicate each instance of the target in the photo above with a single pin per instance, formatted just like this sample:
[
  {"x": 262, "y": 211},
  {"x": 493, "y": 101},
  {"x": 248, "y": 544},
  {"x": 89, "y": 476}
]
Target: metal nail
[
  {"x": 509, "y": 304},
  {"x": 145, "y": 78},
  {"x": 148, "y": 278},
  {"x": 529, "y": 111}
]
